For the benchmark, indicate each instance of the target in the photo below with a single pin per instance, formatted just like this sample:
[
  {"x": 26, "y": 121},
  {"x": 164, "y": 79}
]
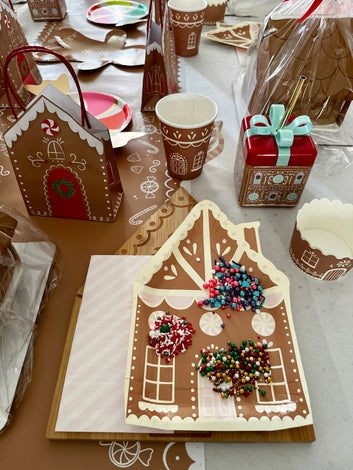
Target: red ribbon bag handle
[
  {"x": 11, "y": 5},
  {"x": 161, "y": 10},
  {"x": 311, "y": 9},
  {"x": 10, "y": 90}
]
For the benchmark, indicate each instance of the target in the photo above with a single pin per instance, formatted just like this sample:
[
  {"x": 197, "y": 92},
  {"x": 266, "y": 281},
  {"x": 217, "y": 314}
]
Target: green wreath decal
[
  {"x": 69, "y": 193},
  {"x": 24, "y": 68}
]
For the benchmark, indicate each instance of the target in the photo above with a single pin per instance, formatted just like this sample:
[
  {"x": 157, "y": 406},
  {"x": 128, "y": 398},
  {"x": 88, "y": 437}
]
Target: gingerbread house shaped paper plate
[{"x": 175, "y": 391}]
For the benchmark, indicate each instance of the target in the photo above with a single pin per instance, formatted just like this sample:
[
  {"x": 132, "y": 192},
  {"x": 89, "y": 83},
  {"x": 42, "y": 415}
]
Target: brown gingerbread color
[{"x": 322, "y": 54}]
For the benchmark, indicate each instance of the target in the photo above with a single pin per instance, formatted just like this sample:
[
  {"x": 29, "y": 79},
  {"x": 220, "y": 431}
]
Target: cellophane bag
[
  {"x": 257, "y": 8},
  {"x": 29, "y": 271},
  {"x": 314, "y": 39}
]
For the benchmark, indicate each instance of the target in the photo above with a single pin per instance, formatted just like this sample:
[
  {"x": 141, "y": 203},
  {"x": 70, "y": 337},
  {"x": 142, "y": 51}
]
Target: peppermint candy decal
[
  {"x": 7, "y": 21},
  {"x": 50, "y": 127}
]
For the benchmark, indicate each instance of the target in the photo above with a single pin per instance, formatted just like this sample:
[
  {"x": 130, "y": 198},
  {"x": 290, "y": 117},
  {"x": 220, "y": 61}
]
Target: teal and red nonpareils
[
  {"x": 232, "y": 287},
  {"x": 171, "y": 335},
  {"x": 236, "y": 370}
]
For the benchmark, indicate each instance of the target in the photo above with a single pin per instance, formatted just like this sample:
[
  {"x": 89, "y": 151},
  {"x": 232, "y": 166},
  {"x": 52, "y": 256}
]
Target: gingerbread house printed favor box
[
  {"x": 160, "y": 76},
  {"x": 272, "y": 167},
  {"x": 64, "y": 169},
  {"x": 44, "y": 10},
  {"x": 24, "y": 69}
]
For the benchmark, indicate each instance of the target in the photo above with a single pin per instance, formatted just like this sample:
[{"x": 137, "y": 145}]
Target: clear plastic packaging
[
  {"x": 29, "y": 271},
  {"x": 257, "y": 8},
  {"x": 320, "y": 47}
]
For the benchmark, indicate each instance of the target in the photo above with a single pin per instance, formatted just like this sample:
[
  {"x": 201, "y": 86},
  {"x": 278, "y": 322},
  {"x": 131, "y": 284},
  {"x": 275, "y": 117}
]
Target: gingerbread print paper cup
[
  {"x": 186, "y": 121},
  {"x": 215, "y": 11},
  {"x": 322, "y": 241},
  {"x": 187, "y": 18}
]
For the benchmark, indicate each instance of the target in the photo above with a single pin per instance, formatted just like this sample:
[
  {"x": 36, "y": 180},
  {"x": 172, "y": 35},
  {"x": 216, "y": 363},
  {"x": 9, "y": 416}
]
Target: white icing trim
[
  {"x": 154, "y": 47},
  {"x": 278, "y": 408},
  {"x": 22, "y": 124},
  {"x": 154, "y": 297},
  {"x": 116, "y": 207},
  {"x": 39, "y": 107},
  {"x": 184, "y": 24},
  {"x": 226, "y": 424},
  {"x": 76, "y": 127},
  {"x": 207, "y": 256},
  {"x": 160, "y": 408}
]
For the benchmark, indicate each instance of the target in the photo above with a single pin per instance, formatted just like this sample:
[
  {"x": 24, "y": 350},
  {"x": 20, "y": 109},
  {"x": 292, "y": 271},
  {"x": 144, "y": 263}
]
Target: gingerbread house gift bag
[
  {"x": 62, "y": 156},
  {"x": 24, "y": 69},
  {"x": 160, "y": 76}
]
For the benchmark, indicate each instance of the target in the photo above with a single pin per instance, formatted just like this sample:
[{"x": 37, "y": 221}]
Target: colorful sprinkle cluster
[
  {"x": 171, "y": 335},
  {"x": 233, "y": 287},
  {"x": 236, "y": 371}
]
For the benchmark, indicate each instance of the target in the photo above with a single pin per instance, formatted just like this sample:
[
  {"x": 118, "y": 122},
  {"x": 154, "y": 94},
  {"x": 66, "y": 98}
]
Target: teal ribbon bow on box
[{"x": 301, "y": 125}]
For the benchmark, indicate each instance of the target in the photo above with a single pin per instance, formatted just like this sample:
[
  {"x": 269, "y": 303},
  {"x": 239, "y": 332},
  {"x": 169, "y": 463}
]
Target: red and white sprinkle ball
[{"x": 171, "y": 336}]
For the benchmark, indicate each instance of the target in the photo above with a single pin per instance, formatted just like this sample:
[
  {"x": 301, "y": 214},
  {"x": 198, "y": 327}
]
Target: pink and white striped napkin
[{"x": 93, "y": 395}]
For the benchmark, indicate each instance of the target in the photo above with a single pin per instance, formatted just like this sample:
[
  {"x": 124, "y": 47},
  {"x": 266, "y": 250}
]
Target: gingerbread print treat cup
[
  {"x": 186, "y": 122},
  {"x": 187, "y": 18},
  {"x": 322, "y": 241},
  {"x": 215, "y": 11}
]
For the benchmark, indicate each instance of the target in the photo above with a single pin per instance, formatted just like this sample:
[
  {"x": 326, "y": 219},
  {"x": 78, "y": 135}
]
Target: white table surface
[{"x": 322, "y": 311}]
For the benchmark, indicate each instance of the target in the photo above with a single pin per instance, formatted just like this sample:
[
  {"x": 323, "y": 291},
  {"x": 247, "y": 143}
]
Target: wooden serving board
[{"x": 146, "y": 241}]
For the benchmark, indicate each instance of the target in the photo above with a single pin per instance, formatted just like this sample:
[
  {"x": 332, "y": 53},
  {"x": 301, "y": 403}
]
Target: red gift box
[
  {"x": 262, "y": 150},
  {"x": 260, "y": 180}
]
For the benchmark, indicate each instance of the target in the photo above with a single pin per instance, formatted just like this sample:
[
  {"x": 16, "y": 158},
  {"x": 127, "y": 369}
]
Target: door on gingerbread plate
[{"x": 210, "y": 403}]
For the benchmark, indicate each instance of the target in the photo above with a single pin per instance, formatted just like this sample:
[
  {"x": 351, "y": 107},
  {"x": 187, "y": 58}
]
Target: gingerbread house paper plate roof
[{"x": 173, "y": 394}]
